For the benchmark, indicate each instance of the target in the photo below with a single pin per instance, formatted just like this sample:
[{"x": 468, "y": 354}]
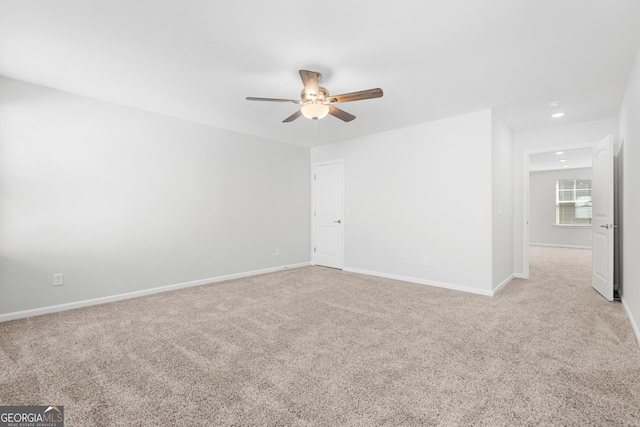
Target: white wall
[
  {"x": 542, "y": 210},
  {"x": 502, "y": 202},
  {"x": 629, "y": 144},
  {"x": 122, "y": 200},
  {"x": 421, "y": 191},
  {"x": 547, "y": 139}
]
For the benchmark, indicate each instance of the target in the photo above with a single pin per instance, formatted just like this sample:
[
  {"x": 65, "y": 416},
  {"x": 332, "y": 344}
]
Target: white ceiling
[
  {"x": 574, "y": 158},
  {"x": 199, "y": 59}
]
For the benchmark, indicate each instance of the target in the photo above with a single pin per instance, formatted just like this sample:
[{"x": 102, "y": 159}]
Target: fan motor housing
[{"x": 321, "y": 96}]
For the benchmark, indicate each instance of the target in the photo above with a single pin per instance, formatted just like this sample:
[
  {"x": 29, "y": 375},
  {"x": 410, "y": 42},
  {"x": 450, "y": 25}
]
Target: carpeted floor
[{"x": 321, "y": 347}]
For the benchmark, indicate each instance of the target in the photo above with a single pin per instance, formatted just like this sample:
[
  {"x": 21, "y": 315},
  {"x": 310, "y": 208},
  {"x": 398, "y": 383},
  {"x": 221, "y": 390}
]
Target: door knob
[
  {"x": 338, "y": 221},
  {"x": 605, "y": 226}
]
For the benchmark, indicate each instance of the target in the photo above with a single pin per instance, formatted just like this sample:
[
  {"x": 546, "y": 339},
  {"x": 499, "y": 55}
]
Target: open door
[{"x": 602, "y": 214}]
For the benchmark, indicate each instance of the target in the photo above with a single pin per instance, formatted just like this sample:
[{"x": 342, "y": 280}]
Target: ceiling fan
[{"x": 316, "y": 101}]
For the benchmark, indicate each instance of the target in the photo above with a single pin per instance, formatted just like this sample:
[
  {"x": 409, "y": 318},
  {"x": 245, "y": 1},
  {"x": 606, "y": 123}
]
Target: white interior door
[
  {"x": 602, "y": 223},
  {"x": 328, "y": 217}
]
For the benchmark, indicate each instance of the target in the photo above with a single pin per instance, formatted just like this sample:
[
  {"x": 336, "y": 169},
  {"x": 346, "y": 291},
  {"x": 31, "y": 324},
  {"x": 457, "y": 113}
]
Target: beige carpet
[{"x": 316, "y": 346}]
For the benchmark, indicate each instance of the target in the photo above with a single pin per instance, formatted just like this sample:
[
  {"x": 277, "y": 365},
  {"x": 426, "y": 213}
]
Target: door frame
[
  {"x": 526, "y": 154},
  {"x": 313, "y": 202}
]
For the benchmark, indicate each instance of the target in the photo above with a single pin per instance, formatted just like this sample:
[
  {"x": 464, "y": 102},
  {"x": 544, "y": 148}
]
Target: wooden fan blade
[
  {"x": 253, "y": 98},
  {"x": 293, "y": 117},
  {"x": 356, "y": 96},
  {"x": 341, "y": 114},
  {"x": 310, "y": 82}
]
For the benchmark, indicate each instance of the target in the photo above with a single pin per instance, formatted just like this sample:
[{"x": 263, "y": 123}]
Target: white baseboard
[
  {"x": 504, "y": 283},
  {"x": 560, "y": 246},
  {"x": 112, "y": 298},
  {"x": 421, "y": 281},
  {"x": 519, "y": 276},
  {"x": 634, "y": 325}
]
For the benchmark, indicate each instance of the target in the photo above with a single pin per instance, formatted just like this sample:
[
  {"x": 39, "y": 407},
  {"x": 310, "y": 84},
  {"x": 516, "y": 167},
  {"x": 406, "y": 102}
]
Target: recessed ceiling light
[
  {"x": 556, "y": 111},
  {"x": 559, "y": 152},
  {"x": 565, "y": 166},
  {"x": 563, "y": 160}
]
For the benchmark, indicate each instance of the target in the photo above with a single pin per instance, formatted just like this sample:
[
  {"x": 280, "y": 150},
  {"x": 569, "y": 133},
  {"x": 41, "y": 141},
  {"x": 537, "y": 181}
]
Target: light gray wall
[
  {"x": 547, "y": 139},
  {"x": 122, "y": 200},
  {"x": 421, "y": 191},
  {"x": 542, "y": 210},
  {"x": 502, "y": 201},
  {"x": 629, "y": 226}
]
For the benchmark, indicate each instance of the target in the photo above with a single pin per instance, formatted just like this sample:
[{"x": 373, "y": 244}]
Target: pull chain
[{"x": 315, "y": 133}]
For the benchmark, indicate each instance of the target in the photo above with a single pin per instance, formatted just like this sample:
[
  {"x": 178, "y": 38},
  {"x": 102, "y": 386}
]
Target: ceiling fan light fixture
[
  {"x": 315, "y": 111},
  {"x": 316, "y": 103}
]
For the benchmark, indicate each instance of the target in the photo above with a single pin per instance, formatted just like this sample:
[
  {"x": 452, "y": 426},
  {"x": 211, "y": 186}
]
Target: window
[{"x": 573, "y": 202}]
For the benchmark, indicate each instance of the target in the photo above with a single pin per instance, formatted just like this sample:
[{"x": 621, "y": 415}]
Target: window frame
[{"x": 574, "y": 200}]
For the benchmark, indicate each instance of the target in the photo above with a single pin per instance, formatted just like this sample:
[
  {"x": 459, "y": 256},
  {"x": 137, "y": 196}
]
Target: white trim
[
  {"x": 519, "y": 276},
  {"x": 560, "y": 148},
  {"x": 504, "y": 283},
  {"x": 561, "y": 246},
  {"x": 525, "y": 213},
  {"x": 112, "y": 298},
  {"x": 421, "y": 281},
  {"x": 634, "y": 325}
]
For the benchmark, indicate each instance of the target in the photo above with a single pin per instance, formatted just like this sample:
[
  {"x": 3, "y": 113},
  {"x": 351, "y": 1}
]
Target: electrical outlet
[
  {"x": 406, "y": 258},
  {"x": 425, "y": 261},
  {"x": 58, "y": 279},
  {"x": 278, "y": 252}
]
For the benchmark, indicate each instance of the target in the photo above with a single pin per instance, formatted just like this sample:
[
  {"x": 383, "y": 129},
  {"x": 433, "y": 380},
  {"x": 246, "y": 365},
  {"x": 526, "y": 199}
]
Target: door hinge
[
  {"x": 314, "y": 213},
  {"x": 314, "y": 176},
  {"x": 314, "y": 249}
]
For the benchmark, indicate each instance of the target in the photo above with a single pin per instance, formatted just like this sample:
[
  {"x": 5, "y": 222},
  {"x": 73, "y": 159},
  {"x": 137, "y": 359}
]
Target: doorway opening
[
  {"x": 578, "y": 203},
  {"x": 546, "y": 174}
]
